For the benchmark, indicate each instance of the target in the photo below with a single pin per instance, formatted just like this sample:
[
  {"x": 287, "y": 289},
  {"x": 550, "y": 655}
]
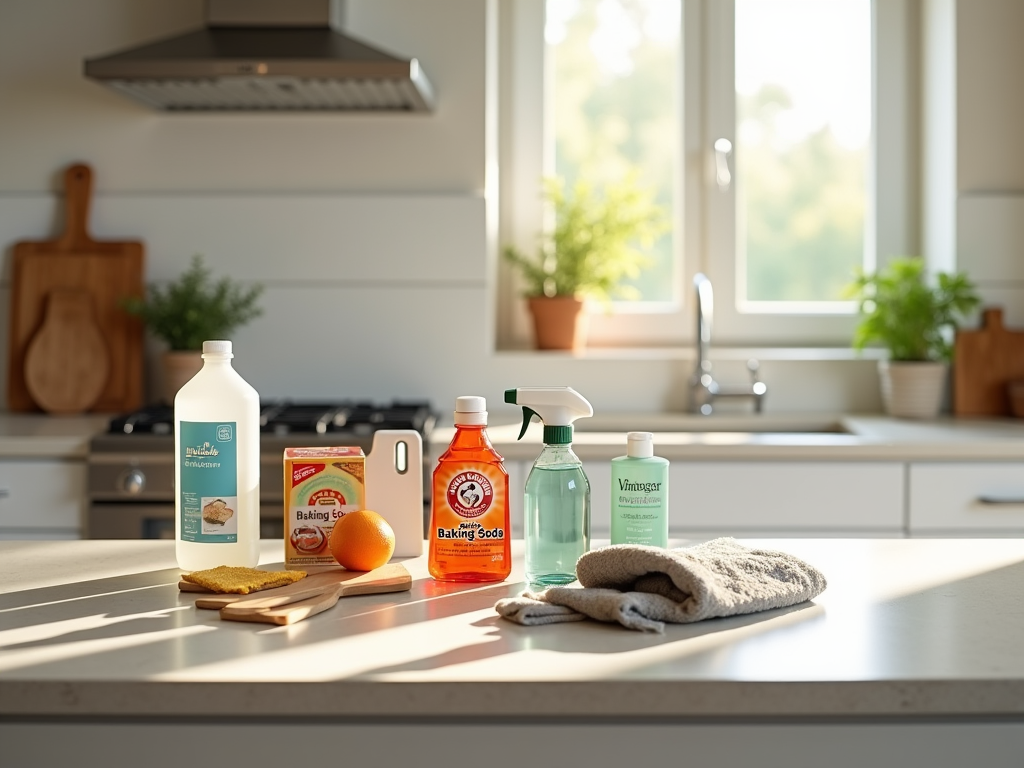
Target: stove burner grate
[{"x": 285, "y": 417}]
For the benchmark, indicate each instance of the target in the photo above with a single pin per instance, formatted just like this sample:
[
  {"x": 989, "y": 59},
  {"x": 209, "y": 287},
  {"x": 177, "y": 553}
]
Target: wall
[
  {"x": 371, "y": 233},
  {"x": 990, "y": 107},
  {"x": 367, "y": 230},
  {"x": 974, "y": 118}
]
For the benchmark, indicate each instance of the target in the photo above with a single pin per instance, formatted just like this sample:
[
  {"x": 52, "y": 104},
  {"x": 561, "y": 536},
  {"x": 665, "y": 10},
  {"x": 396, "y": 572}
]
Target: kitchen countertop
[
  {"x": 907, "y": 629},
  {"x": 778, "y": 436},
  {"x": 791, "y": 437}
]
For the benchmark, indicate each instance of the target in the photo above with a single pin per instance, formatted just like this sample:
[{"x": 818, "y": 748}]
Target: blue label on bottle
[{"x": 209, "y": 482}]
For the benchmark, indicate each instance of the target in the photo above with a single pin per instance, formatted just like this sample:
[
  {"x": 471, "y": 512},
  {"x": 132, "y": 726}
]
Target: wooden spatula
[
  {"x": 270, "y": 598},
  {"x": 287, "y": 614},
  {"x": 315, "y": 598}
]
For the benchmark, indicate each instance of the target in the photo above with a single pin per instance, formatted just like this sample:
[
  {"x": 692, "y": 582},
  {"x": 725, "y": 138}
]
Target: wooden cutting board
[
  {"x": 67, "y": 364},
  {"x": 984, "y": 361},
  {"x": 392, "y": 577},
  {"x": 107, "y": 271},
  {"x": 317, "y": 592}
]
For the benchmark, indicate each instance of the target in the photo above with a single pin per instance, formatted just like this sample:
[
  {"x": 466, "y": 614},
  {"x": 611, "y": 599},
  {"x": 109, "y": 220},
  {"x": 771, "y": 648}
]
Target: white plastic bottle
[{"x": 217, "y": 466}]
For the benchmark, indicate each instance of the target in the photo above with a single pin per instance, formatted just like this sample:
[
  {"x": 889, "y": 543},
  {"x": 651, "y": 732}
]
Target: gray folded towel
[{"x": 644, "y": 587}]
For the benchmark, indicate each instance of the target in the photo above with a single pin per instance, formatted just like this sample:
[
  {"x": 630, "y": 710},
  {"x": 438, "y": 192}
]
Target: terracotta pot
[
  {"x": 912, "y": 390},
  {"x": 559, "y": 322},
  {"x": 176, "y": 369}
]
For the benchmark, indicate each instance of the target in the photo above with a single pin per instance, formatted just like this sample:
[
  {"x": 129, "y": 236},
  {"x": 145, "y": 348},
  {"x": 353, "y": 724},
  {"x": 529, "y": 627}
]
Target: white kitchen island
[{"x": 914, "y": 655}]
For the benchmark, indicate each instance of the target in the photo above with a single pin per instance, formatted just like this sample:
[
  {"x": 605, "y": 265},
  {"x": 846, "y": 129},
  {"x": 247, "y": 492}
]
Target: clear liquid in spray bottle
[{"x": 556, "y": 503}]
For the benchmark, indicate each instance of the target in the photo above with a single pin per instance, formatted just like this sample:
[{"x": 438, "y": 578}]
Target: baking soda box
[{"x": 320, "y": 486}]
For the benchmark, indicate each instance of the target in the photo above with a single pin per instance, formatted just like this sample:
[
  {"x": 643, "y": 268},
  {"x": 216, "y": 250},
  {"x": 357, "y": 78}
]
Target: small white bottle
[
  {"x": 640, "y": 494},
  {"x": 217, "y": 466}
]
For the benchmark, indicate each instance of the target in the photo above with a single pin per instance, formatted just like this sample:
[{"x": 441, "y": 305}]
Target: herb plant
[
  {"x": 593, "y": 246},
  {"x": 909, "y": 317},
  {"x": 195, "y": 308}
]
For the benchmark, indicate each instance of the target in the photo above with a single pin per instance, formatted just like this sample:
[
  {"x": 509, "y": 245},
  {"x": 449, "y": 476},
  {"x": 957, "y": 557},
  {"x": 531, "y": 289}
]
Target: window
[
  {"x": 613, "y": 96},
  {"x": 775, "y": 131},
  {"x": 802, "y": 144}
]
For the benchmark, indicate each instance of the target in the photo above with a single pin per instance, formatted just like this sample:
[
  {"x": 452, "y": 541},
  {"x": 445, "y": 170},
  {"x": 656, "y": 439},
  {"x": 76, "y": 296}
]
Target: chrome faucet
[{"x": 704, "y": 390}]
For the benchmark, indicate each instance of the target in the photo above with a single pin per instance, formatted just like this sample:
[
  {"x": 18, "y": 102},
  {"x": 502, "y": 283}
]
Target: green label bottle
[{"x": 640, "y": 494}]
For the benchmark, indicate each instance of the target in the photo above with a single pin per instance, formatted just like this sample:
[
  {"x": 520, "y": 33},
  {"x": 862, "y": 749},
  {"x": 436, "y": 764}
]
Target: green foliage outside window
[
  {"x": 802, "y": 206},
  {"x": 610, "y": 123},
  {"x": 599, "y": 241}
]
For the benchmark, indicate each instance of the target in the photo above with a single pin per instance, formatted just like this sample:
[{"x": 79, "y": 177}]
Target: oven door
[{"x": 151, "y": 520}]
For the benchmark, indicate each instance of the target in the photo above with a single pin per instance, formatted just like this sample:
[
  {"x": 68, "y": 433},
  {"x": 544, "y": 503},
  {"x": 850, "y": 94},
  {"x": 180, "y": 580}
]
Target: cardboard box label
[{"x": 321, "y": 486}]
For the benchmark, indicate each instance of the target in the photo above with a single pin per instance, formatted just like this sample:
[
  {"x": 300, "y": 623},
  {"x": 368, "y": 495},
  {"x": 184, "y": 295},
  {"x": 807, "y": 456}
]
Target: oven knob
[{"x": 133, "y": 481}]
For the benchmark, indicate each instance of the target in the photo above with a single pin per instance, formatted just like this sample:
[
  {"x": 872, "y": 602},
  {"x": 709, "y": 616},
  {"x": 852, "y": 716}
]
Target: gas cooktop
[
  {"x": 284, "y": 417},
  {"x": 131, "y": 465}
]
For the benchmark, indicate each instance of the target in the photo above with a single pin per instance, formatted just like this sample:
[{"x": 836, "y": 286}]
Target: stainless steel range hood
[{"x": 266, "y": 55}]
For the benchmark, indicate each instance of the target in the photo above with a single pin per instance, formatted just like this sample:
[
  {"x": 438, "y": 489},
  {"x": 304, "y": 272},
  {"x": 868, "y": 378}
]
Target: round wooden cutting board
[{"x": 67, "y": 362}]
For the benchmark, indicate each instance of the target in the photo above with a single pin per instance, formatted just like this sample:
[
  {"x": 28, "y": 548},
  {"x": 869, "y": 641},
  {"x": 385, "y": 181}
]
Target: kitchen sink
[{"x": 685, "y": 422}]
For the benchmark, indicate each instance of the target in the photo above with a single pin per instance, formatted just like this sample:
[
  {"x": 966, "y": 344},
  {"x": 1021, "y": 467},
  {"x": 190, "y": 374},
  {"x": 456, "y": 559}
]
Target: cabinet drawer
[
  {"x": 787, "y": 496},
  {"x": 967, "y": 497},
  {"x": 41, "y": 495}
]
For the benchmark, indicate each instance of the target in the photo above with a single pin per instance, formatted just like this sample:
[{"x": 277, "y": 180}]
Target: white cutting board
[{"x": 394, "y": 486}]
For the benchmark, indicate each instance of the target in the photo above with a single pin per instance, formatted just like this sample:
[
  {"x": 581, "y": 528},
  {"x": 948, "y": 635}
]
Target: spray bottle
[{"x": 556, "y": 506}]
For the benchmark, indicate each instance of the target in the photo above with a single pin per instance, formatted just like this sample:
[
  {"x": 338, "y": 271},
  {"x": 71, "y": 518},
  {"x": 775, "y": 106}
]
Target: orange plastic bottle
[{"x": 469, "y": 521}]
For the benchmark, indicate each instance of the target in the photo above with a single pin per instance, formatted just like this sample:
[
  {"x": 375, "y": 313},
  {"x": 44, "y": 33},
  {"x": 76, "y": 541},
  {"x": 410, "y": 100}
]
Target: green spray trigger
[
  {"x": 556, "y": 407},
  {"x": 528, "y": 414}
]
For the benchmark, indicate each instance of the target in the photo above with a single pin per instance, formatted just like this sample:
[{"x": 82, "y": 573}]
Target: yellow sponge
[{"x": 241, "y": 581}]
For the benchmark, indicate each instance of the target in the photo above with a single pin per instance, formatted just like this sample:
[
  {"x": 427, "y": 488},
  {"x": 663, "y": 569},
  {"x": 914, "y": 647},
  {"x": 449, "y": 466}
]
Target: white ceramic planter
[{"x": 912, "y": 390}]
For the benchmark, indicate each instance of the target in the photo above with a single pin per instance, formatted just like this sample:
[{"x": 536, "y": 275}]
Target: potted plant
[
  {"x": 189, "y": 311},
  {"x": 915, "y": 321},
  {"x": 591, "y": 250}
]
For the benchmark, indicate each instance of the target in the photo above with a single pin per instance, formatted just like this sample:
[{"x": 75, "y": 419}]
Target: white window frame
[{"x": 705, "y": 216}]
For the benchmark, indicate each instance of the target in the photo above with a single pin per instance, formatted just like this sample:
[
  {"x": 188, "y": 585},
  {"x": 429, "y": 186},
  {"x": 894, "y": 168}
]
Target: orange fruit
[{"x": 362, "y": 540}]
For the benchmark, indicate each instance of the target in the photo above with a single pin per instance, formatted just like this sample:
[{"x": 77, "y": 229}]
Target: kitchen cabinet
[
  {"x": 854, "y": 483},
  {"x": 41, "y": 499},
  {"x": 803, "y": 498},
  {"x": 752, "y": 498},
  {"x": 43, "y": 474},
  {"x": 819, "y": 498},
  {"x": 960, "y": 498}
]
